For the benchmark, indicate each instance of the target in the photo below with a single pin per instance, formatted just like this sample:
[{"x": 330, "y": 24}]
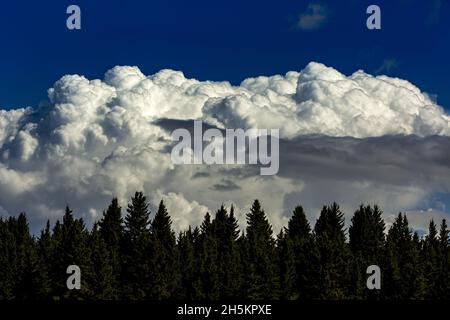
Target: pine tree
[
  {"x": 262, "y": 276},
  {"x": 164, "y": 264},
  {"x": 333, "y": 253},
  {"x": 225, "y": 232},
  {"x": 442, "y": 289},
  {"x": 431, "y": 260},
  {"x": 366, "y": 235},
  {"x": 208, "y": 282},
  {"x": 404, "y": 270},
  {"x": 7, "y": 261},
  {"x": 135, "y": 250},
  {"x": 23, "y": 276},
  {"x": 33, "y": 281},
  {"x": 414, "y": 270},
  {"x": 188, "y": 266},
  {"x": 102, "y": 279},
  {"x": 46, "y": 249},
  {"x": 71, "y": 248},
  {"x": 111, "y": 231},
  {"x": 287, "y": 267},
  {"x": 138, "y": 218},
  {"x": 306, "y": 257}
]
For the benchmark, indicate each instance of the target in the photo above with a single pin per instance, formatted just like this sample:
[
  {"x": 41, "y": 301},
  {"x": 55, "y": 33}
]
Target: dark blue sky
[{"x": 219, "y": 40}]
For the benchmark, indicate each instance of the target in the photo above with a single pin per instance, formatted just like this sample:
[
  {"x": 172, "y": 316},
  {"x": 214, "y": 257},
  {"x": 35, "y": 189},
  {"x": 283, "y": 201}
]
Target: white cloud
[
  {"x": 325, "y": 101},
  {"x": 187, "y": 212},
  {"x": 96, "y": 139},
  {"x": 313, "y": 18}
]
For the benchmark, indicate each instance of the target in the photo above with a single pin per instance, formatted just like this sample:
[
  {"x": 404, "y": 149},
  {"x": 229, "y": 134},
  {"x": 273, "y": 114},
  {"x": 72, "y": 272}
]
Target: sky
[
  {"x": 87, "y": 114},
  {"x": 220, "y": 40}
]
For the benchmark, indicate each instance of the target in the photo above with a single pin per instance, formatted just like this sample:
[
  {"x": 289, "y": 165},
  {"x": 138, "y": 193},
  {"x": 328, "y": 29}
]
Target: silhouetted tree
[
  {"x": 102, "y": 280},
  {"x": 164, "y": 263},
  {"x": 135, "y": 250},
  {"x": 403, "y": 278},
  {"x": 366, "y": 235},
  {"x": 442, "y": 287},
  {"x": 306, "y": 256},
  {"x": 431, "y": 261},
  {"x": 261, "y": 276},
  {"x": 111, "y": 230},
  {"x": 334, "y": 254},
  {"x": 71, "y": 248},
  {"x": 137, "y": 258}
]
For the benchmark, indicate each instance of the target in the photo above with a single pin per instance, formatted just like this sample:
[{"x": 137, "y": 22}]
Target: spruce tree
[
  {"x": 306, "y": 256},
  {"x": 225, "y": 232},
  {"x": 46, "y": 246},
  {"x": 442, "y": 289},
  {"x": 189, "y": 279},
  {"x": 287, "y": 267},
  {"x": 333, "y": 253},
  {"x": 7, "y": 262},
  {"x": 102, "y": 279},
  {"x": 71, "y": 248},
  {"x": 209, "y": 282},
  {"x": 262, "y": 276},
  {"x": 432, "y": 261},
  {"x": 135, "y": 250},
  {"x": 403, "y": 277},
  {"x": 111, "y": 231},
  {"x": 367, "y": 238},
  {"x": 32, "y": 282},
  {"x": 164, "y": 264}
]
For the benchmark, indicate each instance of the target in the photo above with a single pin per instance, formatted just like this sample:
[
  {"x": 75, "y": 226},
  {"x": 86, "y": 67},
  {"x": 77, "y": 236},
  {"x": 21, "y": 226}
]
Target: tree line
[{"x": 137, "y": 258}]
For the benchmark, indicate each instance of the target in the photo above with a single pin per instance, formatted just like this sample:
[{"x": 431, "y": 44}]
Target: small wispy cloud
[
  {"x": 387, "y": 66},
  {"x": 313, "y": 18}
]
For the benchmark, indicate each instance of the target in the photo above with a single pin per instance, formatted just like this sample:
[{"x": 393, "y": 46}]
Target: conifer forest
[{"x": 131, "y": 256}]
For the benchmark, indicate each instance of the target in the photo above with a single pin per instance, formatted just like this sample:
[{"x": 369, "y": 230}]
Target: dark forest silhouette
[{"x": 137, "y": 258}]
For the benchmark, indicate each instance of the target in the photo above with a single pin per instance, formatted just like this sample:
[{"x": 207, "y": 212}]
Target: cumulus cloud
[
  {"x": 186, "y": 212},
  {"x": 321, "y": 100},
  {"x": 352, "y": 139}
]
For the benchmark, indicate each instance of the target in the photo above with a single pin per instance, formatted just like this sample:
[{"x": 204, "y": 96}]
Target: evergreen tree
[
  {"x": 71, "y": 248},
  {"x": 23, "y": 276},
  {"x": 142, "y": 259},
  {"x": 333, "y": 253},
  {"x": 135, "y": 250},
  {"x": 366, "y": 235},
  {"x": 225, "y": 232},
  {"x": 287, "y": 267},
  {"x": 404, "y": 270},
  {"x": 262, "y": 276},
  {"x": 7, "y": 262},
  {"x": 46, "y": 250},
  {"x": 189, "y": 279},
  {"x": 34, "y": 282},
  {"x": 164, "y": 263},
  {"x": 432, "y": 261},
  {"x": 208, "y": 282},
  {"x": 305, "y": 255},
  {"x": 102, "y": 279},
  {"x": 442, "y": 289},
  {"x": 111, "y": 231}
]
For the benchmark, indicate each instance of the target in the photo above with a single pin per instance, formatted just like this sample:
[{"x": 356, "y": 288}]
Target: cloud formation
[
  {"x": 313, "y": 18},
  {"x": 352, "y": 139}
]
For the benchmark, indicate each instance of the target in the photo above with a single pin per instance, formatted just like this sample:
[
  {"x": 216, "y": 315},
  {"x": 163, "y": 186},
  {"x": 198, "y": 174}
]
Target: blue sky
[{"x": 219, "y": 40}]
